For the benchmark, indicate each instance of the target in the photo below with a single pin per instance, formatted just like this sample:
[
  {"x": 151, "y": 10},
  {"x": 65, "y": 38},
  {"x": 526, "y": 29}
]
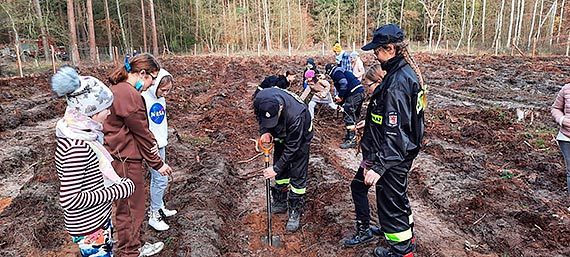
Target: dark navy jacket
[
  {"x": 346, "y": 83},
  {"x": 394, "y": 125},
  {"x": 294, "y": 126}
]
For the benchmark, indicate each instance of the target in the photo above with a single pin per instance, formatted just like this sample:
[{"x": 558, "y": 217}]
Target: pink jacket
[{"x": 561, "y": 109}]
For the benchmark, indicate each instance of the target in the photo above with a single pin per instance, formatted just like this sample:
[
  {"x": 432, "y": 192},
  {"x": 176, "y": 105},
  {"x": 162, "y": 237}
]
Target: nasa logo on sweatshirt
[{"x": 157, "y": 113}]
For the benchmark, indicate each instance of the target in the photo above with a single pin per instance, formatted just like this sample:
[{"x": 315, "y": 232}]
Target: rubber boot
[
  {"x": 363, "y": 234},
  {"x": 351, "y": 140},
  {"x": 279, "y": 196},
  {"x": 397, "y": 249},
  {"x": 295, "y": 210}
]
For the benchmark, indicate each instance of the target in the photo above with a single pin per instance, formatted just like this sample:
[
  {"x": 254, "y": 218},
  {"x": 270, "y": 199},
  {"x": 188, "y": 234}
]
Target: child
[
  {"x": 89, "y": 183},
  {"x": 155, "y": 102},
  {"x": 321, "y": 89},
  {"x": 310, "y": 66},
  {"x": 342, "y": 58},
  {"x": 357, "y": 65},
  {"x": 131, "y": 143},
  {"x": 364, "y": 231}
]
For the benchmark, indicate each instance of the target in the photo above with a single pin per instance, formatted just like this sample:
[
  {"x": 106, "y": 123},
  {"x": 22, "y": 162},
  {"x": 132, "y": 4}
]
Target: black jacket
[
  {"x": 394, "y": 125},
  {"x": 294, "y": 125}
]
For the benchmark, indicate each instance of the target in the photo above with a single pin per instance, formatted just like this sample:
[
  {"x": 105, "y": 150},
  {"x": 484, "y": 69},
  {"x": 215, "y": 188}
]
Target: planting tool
[{"x": 269, "y": 239}]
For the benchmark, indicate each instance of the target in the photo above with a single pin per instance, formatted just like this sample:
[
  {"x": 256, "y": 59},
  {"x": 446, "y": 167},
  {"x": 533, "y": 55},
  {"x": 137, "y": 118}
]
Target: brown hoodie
[{"x": 127, "y": 136}]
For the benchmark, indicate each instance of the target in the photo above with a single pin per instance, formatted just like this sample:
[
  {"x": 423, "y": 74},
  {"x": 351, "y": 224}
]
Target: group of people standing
[
  {"x": 103, "y": 141},
  {"x": 392, "y": 136},
  {"x": 107, "y": 134}
]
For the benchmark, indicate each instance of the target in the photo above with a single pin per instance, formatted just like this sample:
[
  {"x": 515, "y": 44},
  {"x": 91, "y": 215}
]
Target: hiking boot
[
  {"x": 294, "y": 220},
  {"x": 166, "y": 212},
  {"x": 350, "y": 141},
  {"x": 376, "y": 230},
  {"x": 408, "y": 247},
  {"x": 383, "y": 252},
  {"x": 362, "y": 235},
  {"x": 295, "y": 207},
  {"x": 156, "y": 221},
  {"x": 149, "y": 249},
  {"x": 279, "y": 203}
]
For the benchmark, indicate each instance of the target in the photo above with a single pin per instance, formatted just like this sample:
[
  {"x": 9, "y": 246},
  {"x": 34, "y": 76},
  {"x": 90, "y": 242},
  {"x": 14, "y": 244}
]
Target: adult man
[
  {"x": 284, "y": 118},
  {"x": 350, "y": 96},
  {"x": 392, "y": 138}
]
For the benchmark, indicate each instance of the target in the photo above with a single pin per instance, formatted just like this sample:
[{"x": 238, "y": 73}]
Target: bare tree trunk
[
  {"x": 402, "y": 14},
  {"x": 483, "y": 16},
  {"x": 568, "y": 44},
  {"x": 499, "y": 29},
  {"x": 289, "y": 26},
  {"x": 153, "y": 27},
  {"x": 539, "y": 28},
  {"x": 302, "y": 29},
  {"x": 42, "y": 28},
  {"x": 91, "y": 28},
  {"x": 338, "y": 20},
  {"x": 121, "y": 24},
  {"x": 511, "y": 21},
  {"x": 554, "y": 7},
  {"x": 470, "y": 33},
  {"x": 561, "y": 21},
  {"x": 143, "y": 18},
  {"x": 387, "y": 9},
  {"x": 365, "y": 22},
  {"x": 73, "y": 32},
  {"x": 440, "y": 24},
  {"x": 108, "y": 23},
  {"x": 519, "y": 22},
  {"x": 532, "y": 23},
  {"x": 266, "y": 22},
  {"x": 462, "y": 24}
]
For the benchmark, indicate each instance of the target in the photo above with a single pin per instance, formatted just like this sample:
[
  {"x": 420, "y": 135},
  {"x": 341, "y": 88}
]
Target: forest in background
[{"x": 266, "y": 26}]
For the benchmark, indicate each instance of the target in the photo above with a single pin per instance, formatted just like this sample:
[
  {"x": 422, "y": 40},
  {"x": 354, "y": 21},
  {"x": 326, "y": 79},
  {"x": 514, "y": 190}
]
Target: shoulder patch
[{"x": 392, "y": 119}]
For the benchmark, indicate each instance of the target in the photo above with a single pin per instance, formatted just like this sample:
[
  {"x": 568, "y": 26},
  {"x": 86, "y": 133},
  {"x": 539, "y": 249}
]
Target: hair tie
[{"x": 127, "y": 64}]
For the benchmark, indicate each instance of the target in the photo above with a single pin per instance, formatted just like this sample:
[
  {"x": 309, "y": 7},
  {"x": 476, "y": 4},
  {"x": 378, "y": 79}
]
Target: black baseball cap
[
  {"x": 386, "y": 34},
  {"x": 268, "y": 111}
]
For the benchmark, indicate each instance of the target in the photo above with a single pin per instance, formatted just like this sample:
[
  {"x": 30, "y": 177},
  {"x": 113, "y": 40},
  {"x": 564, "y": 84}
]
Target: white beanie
[{"x": 86, "y": 94}]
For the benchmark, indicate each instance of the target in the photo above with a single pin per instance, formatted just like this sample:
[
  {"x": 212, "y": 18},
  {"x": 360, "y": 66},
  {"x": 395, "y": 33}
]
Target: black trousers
[
  {"x": 394, "y": 209},
  {"x": 295, "y": 173},
  {"x": 352, "y": 107},
  {"x": 359, "y": 192}
]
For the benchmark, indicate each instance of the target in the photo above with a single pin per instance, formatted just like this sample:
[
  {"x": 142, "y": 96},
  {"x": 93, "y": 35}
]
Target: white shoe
[
  {"x": 157, "y": 222},
  {"x": 149, "y": 249},
  {"x": 167, "y": 212}
]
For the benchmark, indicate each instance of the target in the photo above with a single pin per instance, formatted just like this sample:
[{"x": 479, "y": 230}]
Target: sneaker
[
  {"x": 149, "y": 249},
  {"x": 167, "y": 212},
  {"x": 156, "y": 221}
]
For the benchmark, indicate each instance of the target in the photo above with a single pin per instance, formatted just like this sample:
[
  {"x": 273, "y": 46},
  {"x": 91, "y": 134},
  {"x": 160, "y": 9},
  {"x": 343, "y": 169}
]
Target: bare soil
[{"x": 489, "y": 182}]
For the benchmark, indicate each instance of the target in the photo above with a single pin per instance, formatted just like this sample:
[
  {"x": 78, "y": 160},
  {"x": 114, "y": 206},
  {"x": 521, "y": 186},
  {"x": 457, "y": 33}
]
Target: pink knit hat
[{"x": 309, "y": 74}]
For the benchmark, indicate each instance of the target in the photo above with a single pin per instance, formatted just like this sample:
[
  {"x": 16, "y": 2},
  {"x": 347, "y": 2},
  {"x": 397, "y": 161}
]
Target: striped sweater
[{"x": 85, "y": 201}]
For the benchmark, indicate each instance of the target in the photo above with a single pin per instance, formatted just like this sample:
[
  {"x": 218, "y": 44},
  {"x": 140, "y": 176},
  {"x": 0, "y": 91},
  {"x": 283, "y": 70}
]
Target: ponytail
[
  {"x": 144, "y": 61},
  {"x": 402, "y": 47}
]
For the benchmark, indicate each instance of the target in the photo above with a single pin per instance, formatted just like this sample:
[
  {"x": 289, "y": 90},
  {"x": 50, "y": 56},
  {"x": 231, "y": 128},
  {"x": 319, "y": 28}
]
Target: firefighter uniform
[
  {"x": 391, "y": 140},
  {"x": 283, "y": 115}
]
